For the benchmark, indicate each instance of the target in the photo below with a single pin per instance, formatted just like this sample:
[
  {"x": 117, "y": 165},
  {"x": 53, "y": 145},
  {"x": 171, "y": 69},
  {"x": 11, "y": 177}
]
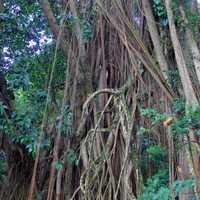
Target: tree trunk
[
  {"x": 192, "y": 44},
  {"x": 189, "y": 94},
  {"x": 181, "y": 64},
  {"x": 193, "y": 5},
  {"x": 155, "y": 37}
]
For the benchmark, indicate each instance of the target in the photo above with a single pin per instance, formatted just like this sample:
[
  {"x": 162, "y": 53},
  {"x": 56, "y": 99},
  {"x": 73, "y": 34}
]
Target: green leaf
[{"x": 58, "y": 165}]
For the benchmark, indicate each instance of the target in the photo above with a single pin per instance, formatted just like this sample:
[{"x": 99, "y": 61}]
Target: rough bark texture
[
  {"x": 193, "y": 45},
  {"x": 155, "y": 37},
  {"x": 181, "y": 64},
  {"x": 190, "y": 98}
]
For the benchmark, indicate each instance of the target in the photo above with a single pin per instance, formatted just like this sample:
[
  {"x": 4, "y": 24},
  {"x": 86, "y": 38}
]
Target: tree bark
[
  {"x": 192, "y": 45},
  {"x": 189, "y": 94},
  {"x": 181, "y": 64},
  {"x": 193, "y": 5},
  {"x": 155, "y": 37}
]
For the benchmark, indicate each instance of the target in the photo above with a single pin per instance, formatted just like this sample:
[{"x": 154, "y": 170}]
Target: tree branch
[{"x": 45, "y": 5}]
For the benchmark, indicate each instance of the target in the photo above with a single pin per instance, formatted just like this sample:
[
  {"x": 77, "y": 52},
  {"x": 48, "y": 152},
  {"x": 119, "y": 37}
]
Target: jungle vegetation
[{"x": 99, "y": 99}]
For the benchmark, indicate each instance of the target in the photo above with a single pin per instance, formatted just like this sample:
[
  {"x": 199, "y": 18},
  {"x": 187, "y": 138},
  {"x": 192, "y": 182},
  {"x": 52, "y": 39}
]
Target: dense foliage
[{"x": 87, "y": 110}]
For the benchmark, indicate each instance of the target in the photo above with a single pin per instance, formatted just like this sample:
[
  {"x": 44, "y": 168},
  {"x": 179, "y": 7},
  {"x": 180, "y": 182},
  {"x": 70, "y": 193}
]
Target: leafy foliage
[
  {"x": 27, "y": 56},
  {"x": 156, "y": 187},
  {"x": 72, "y": 158},
  {"x": 159, "y": 8},
  {"x": 157, "y": 153},
  {"x": 58, "y": 165},
  {"x": 187, "y": 118},
  {"x": 187, "y": 121},
  {"x": 153, "y": 115},
  {"x": 3, "y": 170},
  {"x": 174, "y": 79},
  {"x": 180, "y": 186}
]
